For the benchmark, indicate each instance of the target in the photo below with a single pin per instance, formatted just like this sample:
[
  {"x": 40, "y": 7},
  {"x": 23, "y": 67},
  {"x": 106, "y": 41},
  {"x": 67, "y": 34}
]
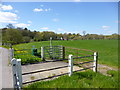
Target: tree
[
  {"x": 10, "y": 26},
  {"x": 26, "y": 39},
  {"x": 38, "y": 37},
  {"x": 12, "y": 36},
  {"x": 25, "y": 29},
  {"x": 84, "y": 33},
  {"x": 19, "y": 28}
]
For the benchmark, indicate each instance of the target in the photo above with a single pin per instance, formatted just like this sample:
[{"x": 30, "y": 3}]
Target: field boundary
[{"x": 17, "y": 72}]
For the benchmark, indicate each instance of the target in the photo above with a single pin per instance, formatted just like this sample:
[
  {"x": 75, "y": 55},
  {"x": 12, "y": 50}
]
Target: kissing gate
[{"x": 50, "y": 54}]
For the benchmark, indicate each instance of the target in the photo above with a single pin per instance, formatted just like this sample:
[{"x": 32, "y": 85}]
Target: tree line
[{"x": 13, "y": 35}]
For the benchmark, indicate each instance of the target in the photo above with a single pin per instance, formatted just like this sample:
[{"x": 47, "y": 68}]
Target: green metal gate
[{"x": 52, "y": 52}]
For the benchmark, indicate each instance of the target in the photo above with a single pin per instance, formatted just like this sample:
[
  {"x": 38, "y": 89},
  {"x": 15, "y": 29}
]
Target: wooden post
[
  {"x": 11, "y": 53},
  {"x": 63, "y": 53},
  {"x": 70, "y": 68},
  {"x": 42, "y": 53},
  {"x": 95, "y": 62},
  {"x": 19, "y": 72}
]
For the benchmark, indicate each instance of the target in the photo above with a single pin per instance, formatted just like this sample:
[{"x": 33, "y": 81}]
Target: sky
[{"x": 62, "y": 17}]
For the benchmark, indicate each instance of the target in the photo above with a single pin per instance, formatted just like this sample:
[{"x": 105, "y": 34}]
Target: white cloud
[
  {"x": 44, "y": 28},
  {"x": 38, "y": 10},
  {"x": 5, "y": 7},
  {"x": 55, "y": 19},
  {"x": 8, "y": 17},
  {"x": 77, "y": 0},
  {"x": 29, "y": 21},
  {"x": 105, "y": 27},
  {"x": 22, "y": 25}
]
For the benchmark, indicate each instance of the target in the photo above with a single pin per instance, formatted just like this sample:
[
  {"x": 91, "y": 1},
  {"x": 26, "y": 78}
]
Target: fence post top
[
  {"x": 95, "y": 53},
  {"x": 19, "y": 60},
  {"x": 70, "y": 55},
  {"x": 13, "y": 61}
]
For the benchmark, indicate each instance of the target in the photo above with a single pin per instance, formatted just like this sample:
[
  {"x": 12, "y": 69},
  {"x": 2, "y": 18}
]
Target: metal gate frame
[{"x": 52, "y": 52}]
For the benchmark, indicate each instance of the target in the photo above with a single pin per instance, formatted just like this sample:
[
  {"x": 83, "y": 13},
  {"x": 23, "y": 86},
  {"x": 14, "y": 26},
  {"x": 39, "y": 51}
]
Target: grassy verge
[
  {"x": 26, "y": 56},
  {"x": 5, "y": 46},
  {"x": 86, "y": 79}
]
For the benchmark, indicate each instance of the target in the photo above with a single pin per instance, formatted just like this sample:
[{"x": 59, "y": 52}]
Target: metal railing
[{"x": 17, "y": 72}]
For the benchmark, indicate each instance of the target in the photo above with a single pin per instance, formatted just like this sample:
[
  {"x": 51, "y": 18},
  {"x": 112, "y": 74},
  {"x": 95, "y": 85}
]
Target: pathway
[
  {"x": 44, "y": 66},
  {"x": 6, "y": 70}
]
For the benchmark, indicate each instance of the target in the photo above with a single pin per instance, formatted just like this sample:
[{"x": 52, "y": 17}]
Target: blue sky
[{"x": 62, "y": 17}]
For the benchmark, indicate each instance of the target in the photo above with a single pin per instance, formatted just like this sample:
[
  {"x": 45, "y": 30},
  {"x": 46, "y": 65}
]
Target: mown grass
[
  {"x": 88, "y": 79},
  {"x": 108, "y": 54},
  {"x": 107, "y": 49}
]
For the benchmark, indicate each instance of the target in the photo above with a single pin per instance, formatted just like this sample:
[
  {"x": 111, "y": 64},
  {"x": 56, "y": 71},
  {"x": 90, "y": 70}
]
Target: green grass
[
  {"x": 26, "y": 56},
  {"x": 5, "y": 46},
  {"x": 88, "y": 79},
  {"x": 107, "y": 49},
  {"x": 108, "y": 54}
]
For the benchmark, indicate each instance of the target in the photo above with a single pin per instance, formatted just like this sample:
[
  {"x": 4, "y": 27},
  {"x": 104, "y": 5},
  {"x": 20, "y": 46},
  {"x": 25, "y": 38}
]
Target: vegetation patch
[
  {"x": 88, "y": 79},
  {"x": 26, "y": 56},
  {"x": 107, "y": 49}
]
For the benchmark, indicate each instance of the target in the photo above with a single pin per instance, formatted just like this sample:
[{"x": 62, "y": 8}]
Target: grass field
[
  {"x": 86, "y": 79},
  {"x": 107, "y": 49},
  {"x": 108, "y": 54}
]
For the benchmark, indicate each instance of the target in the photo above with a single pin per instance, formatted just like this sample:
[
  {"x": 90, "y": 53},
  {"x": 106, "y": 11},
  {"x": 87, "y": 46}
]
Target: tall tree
[
  {"x": 10, "y": 26},
  {"x": 12, "y": 36}
]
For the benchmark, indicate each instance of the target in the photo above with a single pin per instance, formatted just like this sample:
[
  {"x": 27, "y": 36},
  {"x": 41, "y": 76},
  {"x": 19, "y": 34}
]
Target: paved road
[
  {"x": 0, "y": 68},
  {"x": 6, "y": 70}
]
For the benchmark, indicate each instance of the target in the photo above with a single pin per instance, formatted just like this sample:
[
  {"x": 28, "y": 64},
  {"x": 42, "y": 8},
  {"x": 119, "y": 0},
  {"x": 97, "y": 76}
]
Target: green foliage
[
  {"x": 113, "y": 73},
  {"x": 108, "y": 54},
  {"x": 12, "y": 36},
  {"x": 87, "y": 79},
  {"x": 28, "y": 59},
  {"x": 107, "y": 49},
  {"x": 26, "y": 56},
  {"x": 26, "y": 39}
]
